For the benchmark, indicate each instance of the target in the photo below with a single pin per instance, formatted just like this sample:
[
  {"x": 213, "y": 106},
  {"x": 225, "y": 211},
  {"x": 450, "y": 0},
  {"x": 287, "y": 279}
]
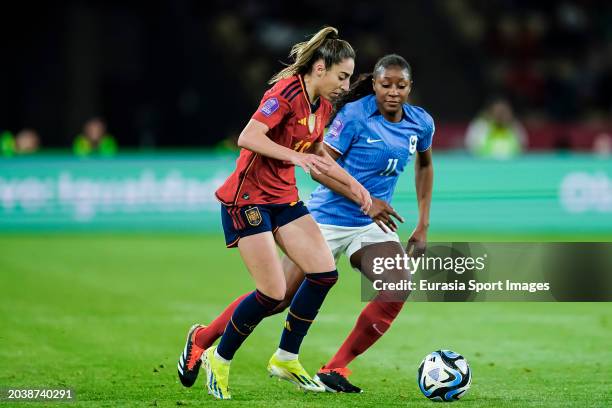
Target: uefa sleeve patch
[
  {"x": 335, "y": 128},
  {"x": 270, "y": 106}
]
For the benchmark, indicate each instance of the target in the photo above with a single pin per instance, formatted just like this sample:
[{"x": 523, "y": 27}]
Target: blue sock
[
  {"x": 304, "y": 308},
  {"x": 247, "y": 315}
]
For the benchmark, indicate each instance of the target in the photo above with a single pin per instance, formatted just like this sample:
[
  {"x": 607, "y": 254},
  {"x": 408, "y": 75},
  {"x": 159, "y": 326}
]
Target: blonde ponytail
[{"x": 324, "y": 44}]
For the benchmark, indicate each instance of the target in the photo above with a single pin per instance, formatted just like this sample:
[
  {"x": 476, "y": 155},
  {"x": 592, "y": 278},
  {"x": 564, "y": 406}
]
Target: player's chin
[
  {"x": 333, "y": 95},
  {"x": 393, "y": 106}
]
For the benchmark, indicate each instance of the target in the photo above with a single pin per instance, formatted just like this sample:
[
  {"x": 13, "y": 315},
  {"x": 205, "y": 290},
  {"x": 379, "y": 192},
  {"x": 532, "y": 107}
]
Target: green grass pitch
[{"x": 107, "y": 315}]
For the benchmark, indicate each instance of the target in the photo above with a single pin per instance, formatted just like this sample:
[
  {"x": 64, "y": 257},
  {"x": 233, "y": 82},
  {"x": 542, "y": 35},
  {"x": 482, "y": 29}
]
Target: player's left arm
[
  {"x": 339, "y": 180},
  {"x": 423, "y": 178}
]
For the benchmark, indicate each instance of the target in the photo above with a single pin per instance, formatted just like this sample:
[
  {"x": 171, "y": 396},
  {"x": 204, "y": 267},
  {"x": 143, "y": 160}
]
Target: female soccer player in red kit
[
  {"x": 374, "y": 135},
  {"x": 261, "y": 208}
]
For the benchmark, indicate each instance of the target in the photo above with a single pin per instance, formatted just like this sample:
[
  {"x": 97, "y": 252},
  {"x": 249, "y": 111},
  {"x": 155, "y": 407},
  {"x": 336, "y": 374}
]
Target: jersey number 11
[{"x": 390, "y": 170}]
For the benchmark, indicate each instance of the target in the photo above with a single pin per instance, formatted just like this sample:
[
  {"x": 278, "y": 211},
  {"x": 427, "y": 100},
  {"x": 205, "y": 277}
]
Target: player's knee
[
  {"x": 401, "y": 295},
  {"x": 328, "y": 279},
  {"x": 324, "y": 262},
  {"x": 266, "y": 300},
  {"x": 393, "y": 296},
  {"x": 276, "y": 292}
]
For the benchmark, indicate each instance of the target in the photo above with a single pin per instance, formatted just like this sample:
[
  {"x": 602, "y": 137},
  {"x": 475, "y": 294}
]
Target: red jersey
[{"x": 285, "y": 109}]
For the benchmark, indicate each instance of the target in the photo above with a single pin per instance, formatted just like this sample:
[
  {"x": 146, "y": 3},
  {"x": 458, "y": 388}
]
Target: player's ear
[{"x": 319, "y": 68}]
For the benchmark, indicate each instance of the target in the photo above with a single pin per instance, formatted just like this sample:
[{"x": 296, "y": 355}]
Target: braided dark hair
[{"x": 363, "y": 86}]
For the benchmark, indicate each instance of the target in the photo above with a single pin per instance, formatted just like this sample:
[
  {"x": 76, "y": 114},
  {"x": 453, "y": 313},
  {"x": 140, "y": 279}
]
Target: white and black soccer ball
[{"x": 444, "y": 376}]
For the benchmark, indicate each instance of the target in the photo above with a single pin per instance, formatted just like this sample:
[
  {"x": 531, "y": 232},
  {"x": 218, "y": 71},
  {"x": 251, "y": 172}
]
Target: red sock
[
  {"x": 372, "y": 323},
  {"x": 206, "y": 337}
]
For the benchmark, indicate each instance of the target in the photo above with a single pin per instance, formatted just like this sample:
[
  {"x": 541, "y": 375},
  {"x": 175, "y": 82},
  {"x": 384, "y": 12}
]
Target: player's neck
[
  {"x": 310, "y": 89},
  {"x": 394, "y": 117}
]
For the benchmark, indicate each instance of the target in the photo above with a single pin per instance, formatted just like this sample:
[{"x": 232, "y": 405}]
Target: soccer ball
[{"x": 444, "y": 376}]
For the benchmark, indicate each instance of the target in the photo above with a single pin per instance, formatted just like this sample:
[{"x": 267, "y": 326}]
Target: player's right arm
[
  {"x": 339, "y": 180},
  {"x": 380, "y": 211},
  {"x": 254, "y": 138},
  {"x": 333, "y": 184}
]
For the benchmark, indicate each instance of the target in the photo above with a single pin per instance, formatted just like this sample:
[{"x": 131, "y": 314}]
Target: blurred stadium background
[
  {"x": 118, "y": 121},
  {"x": 173, "y": 83}
]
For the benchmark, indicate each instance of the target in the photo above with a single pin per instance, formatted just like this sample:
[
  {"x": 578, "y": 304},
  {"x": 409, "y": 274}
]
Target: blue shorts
[{"x": 241, "y": 222}]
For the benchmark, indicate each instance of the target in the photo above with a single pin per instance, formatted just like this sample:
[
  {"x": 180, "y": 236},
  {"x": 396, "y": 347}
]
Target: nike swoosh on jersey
[{"x": 373, "y": 140}]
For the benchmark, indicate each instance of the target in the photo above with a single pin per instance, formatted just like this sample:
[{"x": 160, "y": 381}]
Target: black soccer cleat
[
  {"x": 336, "y": 380},
  {"x": 190, "y": 359}
]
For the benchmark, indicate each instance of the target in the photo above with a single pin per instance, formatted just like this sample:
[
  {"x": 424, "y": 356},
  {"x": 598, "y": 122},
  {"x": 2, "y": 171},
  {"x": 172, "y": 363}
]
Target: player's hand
[
  {"x": 310, "y": 162},
  {"x": 381, "y": 213},
  {"x": 363, "y": 196},
  {"x": 417, "y": 243}
]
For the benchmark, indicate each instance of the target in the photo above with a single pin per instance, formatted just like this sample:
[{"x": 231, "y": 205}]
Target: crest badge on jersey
[
  {"x": 253, "y": 216},
  {"x": 413, "y": 143},
  {"x": 270, "y": 106},
  {"x": 335, "y": 128}
]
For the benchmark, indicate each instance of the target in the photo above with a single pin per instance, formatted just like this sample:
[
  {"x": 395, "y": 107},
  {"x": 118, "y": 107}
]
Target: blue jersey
[{"x": 374, "y": 151}]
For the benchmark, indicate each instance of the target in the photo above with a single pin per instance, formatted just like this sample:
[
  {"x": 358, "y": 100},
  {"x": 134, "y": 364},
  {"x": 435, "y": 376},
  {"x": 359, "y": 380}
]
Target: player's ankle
[
  {"x": 198, "y": 338},
  {"x": 284, "y": 355},
  {"x": 221, "y": 358}
]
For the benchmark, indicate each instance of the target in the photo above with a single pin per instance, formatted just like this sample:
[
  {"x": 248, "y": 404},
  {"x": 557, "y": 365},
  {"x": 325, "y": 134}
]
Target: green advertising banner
[{"x": 174, "y": 192}]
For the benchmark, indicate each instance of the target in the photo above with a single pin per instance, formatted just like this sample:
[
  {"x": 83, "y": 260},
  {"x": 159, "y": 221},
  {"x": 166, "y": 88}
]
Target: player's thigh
[
  {"x": 370, "y": 243},
  {"x": 305, "y": 246},
  {"x": 337, "y": 239},
  {"x": 366, "y": 258},
  {"x": 261, "y": 258},
  {"x": 294, "y": 278},
  {"x": 293, "y": 275}
]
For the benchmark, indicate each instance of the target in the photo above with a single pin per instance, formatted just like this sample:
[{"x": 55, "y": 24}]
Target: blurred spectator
[
  {"x": 27, "y": 141},
  {"x": 94, "y": 140},
  {"x": 551, "y": 59},
  {"x": 602, "y": 145},
  {"x": 7, "y": 144},
  {"x": 496, "y": 133}
]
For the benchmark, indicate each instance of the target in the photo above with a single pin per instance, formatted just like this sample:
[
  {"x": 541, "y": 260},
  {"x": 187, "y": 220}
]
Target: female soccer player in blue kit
[{"x": 373, "y": 136}]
